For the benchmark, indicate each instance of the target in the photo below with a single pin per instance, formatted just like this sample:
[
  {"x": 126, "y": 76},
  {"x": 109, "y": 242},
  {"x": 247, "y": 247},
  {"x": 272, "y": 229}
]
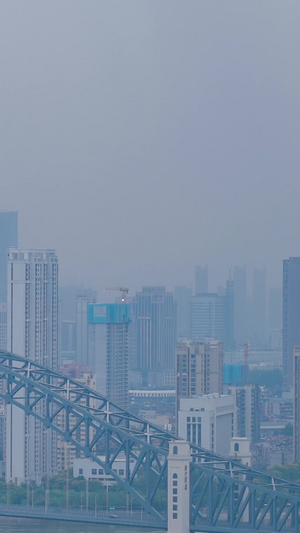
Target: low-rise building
[{"x": 91, "y": 470}]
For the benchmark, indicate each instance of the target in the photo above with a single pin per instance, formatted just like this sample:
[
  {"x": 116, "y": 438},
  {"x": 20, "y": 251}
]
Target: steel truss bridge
[{"x": 224, "y": 494}]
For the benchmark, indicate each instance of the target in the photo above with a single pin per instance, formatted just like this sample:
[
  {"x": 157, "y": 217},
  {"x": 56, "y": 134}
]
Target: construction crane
[{"x": 123, "y": 290}]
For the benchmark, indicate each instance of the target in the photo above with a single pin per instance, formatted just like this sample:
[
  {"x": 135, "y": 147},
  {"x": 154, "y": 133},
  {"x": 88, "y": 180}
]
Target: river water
[{"x": 17, "y": 525}]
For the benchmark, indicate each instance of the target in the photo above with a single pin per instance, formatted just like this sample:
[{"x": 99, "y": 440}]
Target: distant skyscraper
[
  {"x": 182, "y": 296},
  {"x": 154, "y": 312},
  {"x": 296, "y": 433},
  {"x": 85, "y": 333},
  {"x": 212, "y": 317},
  {"x": 275, "y": 309},
  {"x": 240, "y": 305},
  {"x": 291, "y": 314},
  {"x": 8, "y": 238},
  {"x": 32, "y": 326},
  {"x": 201, "y": 280},
  {"x": 258, "y": 336}
]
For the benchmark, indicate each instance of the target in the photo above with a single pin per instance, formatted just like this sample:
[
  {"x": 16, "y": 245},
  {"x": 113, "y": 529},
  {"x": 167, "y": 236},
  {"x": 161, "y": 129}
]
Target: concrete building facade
[
  {"x": 32, "y": 332},
  {"x": 247, "y": 411},
  {"x": 199, "y": 368},
  {"x": 207, "y": 421}
]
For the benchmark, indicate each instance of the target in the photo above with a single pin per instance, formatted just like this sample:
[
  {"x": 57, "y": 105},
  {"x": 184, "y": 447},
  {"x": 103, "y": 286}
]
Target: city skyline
[{"x": 152, "y": 154}]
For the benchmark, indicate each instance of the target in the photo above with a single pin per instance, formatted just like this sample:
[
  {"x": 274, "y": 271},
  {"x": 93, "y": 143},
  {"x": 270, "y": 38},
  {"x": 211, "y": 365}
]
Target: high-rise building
[
  {"x": 246, "y": 400},
  {"x": 85, "y": 332},
  {"x": 296, "y": 432},
  {"x": 201, "y": 280},
  {"x": 240, "y": 305},
  {"x": 182, "y": 296},
  {"x": 259, "y": 308},
  {"x": 68, "y": 340},
  {"x": 291, "y": 314},
  {"x": 117, "y": 318},
  {"x": 212, "y": 317},
  {"x": 32, "y": 331},
  {"x": 154, "y": 314},
  {"x": 8, "y": 238},
  {"x": 199, "y": 368},
  {"x": 275, "y": 309}
]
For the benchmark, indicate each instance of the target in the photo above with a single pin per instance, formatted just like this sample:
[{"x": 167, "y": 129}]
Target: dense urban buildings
[
  {"x": 291, "y": 314},
  {"x": 32, "y": 332}
]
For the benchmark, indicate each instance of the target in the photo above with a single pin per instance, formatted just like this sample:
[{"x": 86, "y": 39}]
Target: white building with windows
[
  {"x": 91, "y": 470},
  {"x": 207, "y": 421},
  {"x": 32, "y": 324}
]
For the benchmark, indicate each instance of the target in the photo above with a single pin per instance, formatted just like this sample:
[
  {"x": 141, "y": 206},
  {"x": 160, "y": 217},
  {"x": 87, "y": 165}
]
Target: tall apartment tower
[
  {"x": 212, "y": 317},
  {"x": 199, "y": 369},
  {"x": 240, "y": 305},
  {"x": 182, "y": 297},
  {"x": 246, "y": 400},
  {"x": 296, "y": 433},
  {"x": 290, "y": 318},
  {"x": 32, "y": 303},
  {"x": 154, "y": 312},
  {"x": 201, "y": 280},
  {"x": 117, "y": 318},
  {"x": 8, "y": 238},
  {"x": 259, "y": 308}
]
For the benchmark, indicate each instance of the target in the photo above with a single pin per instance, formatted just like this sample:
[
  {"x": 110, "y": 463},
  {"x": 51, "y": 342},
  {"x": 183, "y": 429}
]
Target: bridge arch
[{"x": 224, "y": 493}]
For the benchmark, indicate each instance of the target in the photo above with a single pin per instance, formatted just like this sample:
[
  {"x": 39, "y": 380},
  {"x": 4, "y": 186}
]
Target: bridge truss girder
[{"x": 224, "y": 493}]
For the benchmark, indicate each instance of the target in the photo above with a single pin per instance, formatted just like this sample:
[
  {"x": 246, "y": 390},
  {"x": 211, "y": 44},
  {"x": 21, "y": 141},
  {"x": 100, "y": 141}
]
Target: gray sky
[{"x": 141, "y": 137}]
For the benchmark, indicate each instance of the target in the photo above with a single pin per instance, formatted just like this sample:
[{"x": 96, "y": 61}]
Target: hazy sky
[{"x": 142, "y": 137}]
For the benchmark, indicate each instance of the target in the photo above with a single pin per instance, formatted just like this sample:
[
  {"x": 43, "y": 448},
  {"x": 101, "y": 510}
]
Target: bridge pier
[{"x": 179, "y": 487}]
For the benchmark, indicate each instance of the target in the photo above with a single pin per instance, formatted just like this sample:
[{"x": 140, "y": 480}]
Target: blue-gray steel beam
[{"x": 242, "y": 507}]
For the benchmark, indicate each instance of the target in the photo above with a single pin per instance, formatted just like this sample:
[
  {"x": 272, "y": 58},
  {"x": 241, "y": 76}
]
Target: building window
[
  {"x": 175, "y": 515},
  {"x": 94, "y": 471},
  {"x": 236, "y": 447},
  {"x": 80, "y": 471},
  {"x": 175, "y": 450}
]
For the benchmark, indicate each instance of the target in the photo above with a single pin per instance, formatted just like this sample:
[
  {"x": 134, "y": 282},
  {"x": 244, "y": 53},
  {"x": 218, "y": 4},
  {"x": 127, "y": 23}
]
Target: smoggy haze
[{"x": 140, "y": 138}]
